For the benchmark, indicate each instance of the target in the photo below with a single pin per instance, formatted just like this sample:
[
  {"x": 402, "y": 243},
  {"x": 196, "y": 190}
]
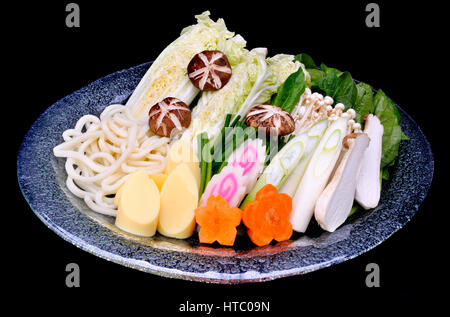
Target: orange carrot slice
[
  {"x": 218, "y": 221},
  {"x": 267, "y": 217}
]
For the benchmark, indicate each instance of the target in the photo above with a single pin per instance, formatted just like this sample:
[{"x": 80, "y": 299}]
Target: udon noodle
[{"x": 102, "y": 152}]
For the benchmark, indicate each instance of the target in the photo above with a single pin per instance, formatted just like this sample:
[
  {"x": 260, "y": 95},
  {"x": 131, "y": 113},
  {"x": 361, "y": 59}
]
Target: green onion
[
  {"x": 235, "y": 143},
  {"x": 221, "y": 136},
  {"x": 203, "y": 140},
  {"x": 208, "y": 164},
  {"x": 220, "y": 140},
  {"x": 267, "y": 147},
  {"x": 239, "y": 127},
  {"x": 227, "y": 120},
  {"x": 235, "y": 121},
  {"x": 199, "y": 153}
]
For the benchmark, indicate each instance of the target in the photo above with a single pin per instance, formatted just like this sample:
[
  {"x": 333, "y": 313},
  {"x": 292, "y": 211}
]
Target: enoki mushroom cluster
[{"x": 313, "y": 107}]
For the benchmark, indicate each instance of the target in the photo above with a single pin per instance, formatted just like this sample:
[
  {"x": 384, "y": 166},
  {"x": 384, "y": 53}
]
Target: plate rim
[{"x": 214, "y": 277}]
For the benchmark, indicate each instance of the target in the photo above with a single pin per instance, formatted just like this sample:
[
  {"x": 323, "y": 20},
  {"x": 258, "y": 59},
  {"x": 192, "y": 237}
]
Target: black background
[{"x": 50, "y": 61}]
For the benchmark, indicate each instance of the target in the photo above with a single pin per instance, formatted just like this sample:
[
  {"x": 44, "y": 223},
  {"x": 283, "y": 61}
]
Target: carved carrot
[
  {"x": 267, "y": 217},
  {"x": 218, "y": 221}
]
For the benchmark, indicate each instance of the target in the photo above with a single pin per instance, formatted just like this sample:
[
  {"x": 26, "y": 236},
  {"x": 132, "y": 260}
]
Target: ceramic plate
[{"x": 42, "y": 180}]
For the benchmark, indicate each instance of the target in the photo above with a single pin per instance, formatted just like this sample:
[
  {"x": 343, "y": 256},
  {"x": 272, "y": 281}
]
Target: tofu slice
[{"x": 138, "y": 203}]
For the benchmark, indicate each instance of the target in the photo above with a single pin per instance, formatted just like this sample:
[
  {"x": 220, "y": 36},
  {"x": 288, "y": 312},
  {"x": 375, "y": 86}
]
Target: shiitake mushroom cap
[
  {"x": 209, "y": 70},
  {"x": 270, "y": 118},
  {"x": 169, "y": 115}
]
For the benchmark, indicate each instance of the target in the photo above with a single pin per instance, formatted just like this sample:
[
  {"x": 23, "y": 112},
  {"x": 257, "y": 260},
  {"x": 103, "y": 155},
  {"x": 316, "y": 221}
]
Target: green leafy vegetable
[
  {"x": 387, "y": 112},
  {"x": 364, "y": 101},
  {"x": 289, "y": 92},
  {"x": 330, "y": 70},
  {"x": 354, "y": 209},
  {"x": 341, "y": 87},
  {"x": 306, "y": 60},
  {"x": 346, "y": 91},
  {"x": 385, "y": 174},
  {"x": 328, "y": 82},
  {"x": 338, "y": 85},
  {"x": 316, "y": 75},
  {"x": 404, "y": 137}
]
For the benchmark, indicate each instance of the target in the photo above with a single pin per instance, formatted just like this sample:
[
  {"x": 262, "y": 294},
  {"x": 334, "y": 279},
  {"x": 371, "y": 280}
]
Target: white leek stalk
[
  {"x": 281, "y": 165},
  {"x": 368, "y": 186},
  {"x": 317, "y": 174},
  {"x": 335, "y": 203},
  {"x": 315, "y": 133}
]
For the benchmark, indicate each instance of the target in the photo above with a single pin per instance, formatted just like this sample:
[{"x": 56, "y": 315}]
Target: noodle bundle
[{"x": 102, "y": 152}]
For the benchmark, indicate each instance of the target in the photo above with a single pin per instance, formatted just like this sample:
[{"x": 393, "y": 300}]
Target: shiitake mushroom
[
  {"x": 209, "y": 70},
  {"x": 270, "y": 118},
  {"x": 168, "y": 116}
]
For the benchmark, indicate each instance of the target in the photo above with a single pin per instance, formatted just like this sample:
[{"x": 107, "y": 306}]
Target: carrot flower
[
  {"x": 267, "y": 217},
  {"x": 218, "y": 221}
]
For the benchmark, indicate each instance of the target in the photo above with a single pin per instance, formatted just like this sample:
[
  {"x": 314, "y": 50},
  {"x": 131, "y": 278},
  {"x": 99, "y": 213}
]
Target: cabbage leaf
[{"x": 167, "y": 76}]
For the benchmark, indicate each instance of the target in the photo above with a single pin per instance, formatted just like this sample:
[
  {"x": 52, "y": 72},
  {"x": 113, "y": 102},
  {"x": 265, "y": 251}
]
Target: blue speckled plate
[{"x": 42, "y": 180}]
